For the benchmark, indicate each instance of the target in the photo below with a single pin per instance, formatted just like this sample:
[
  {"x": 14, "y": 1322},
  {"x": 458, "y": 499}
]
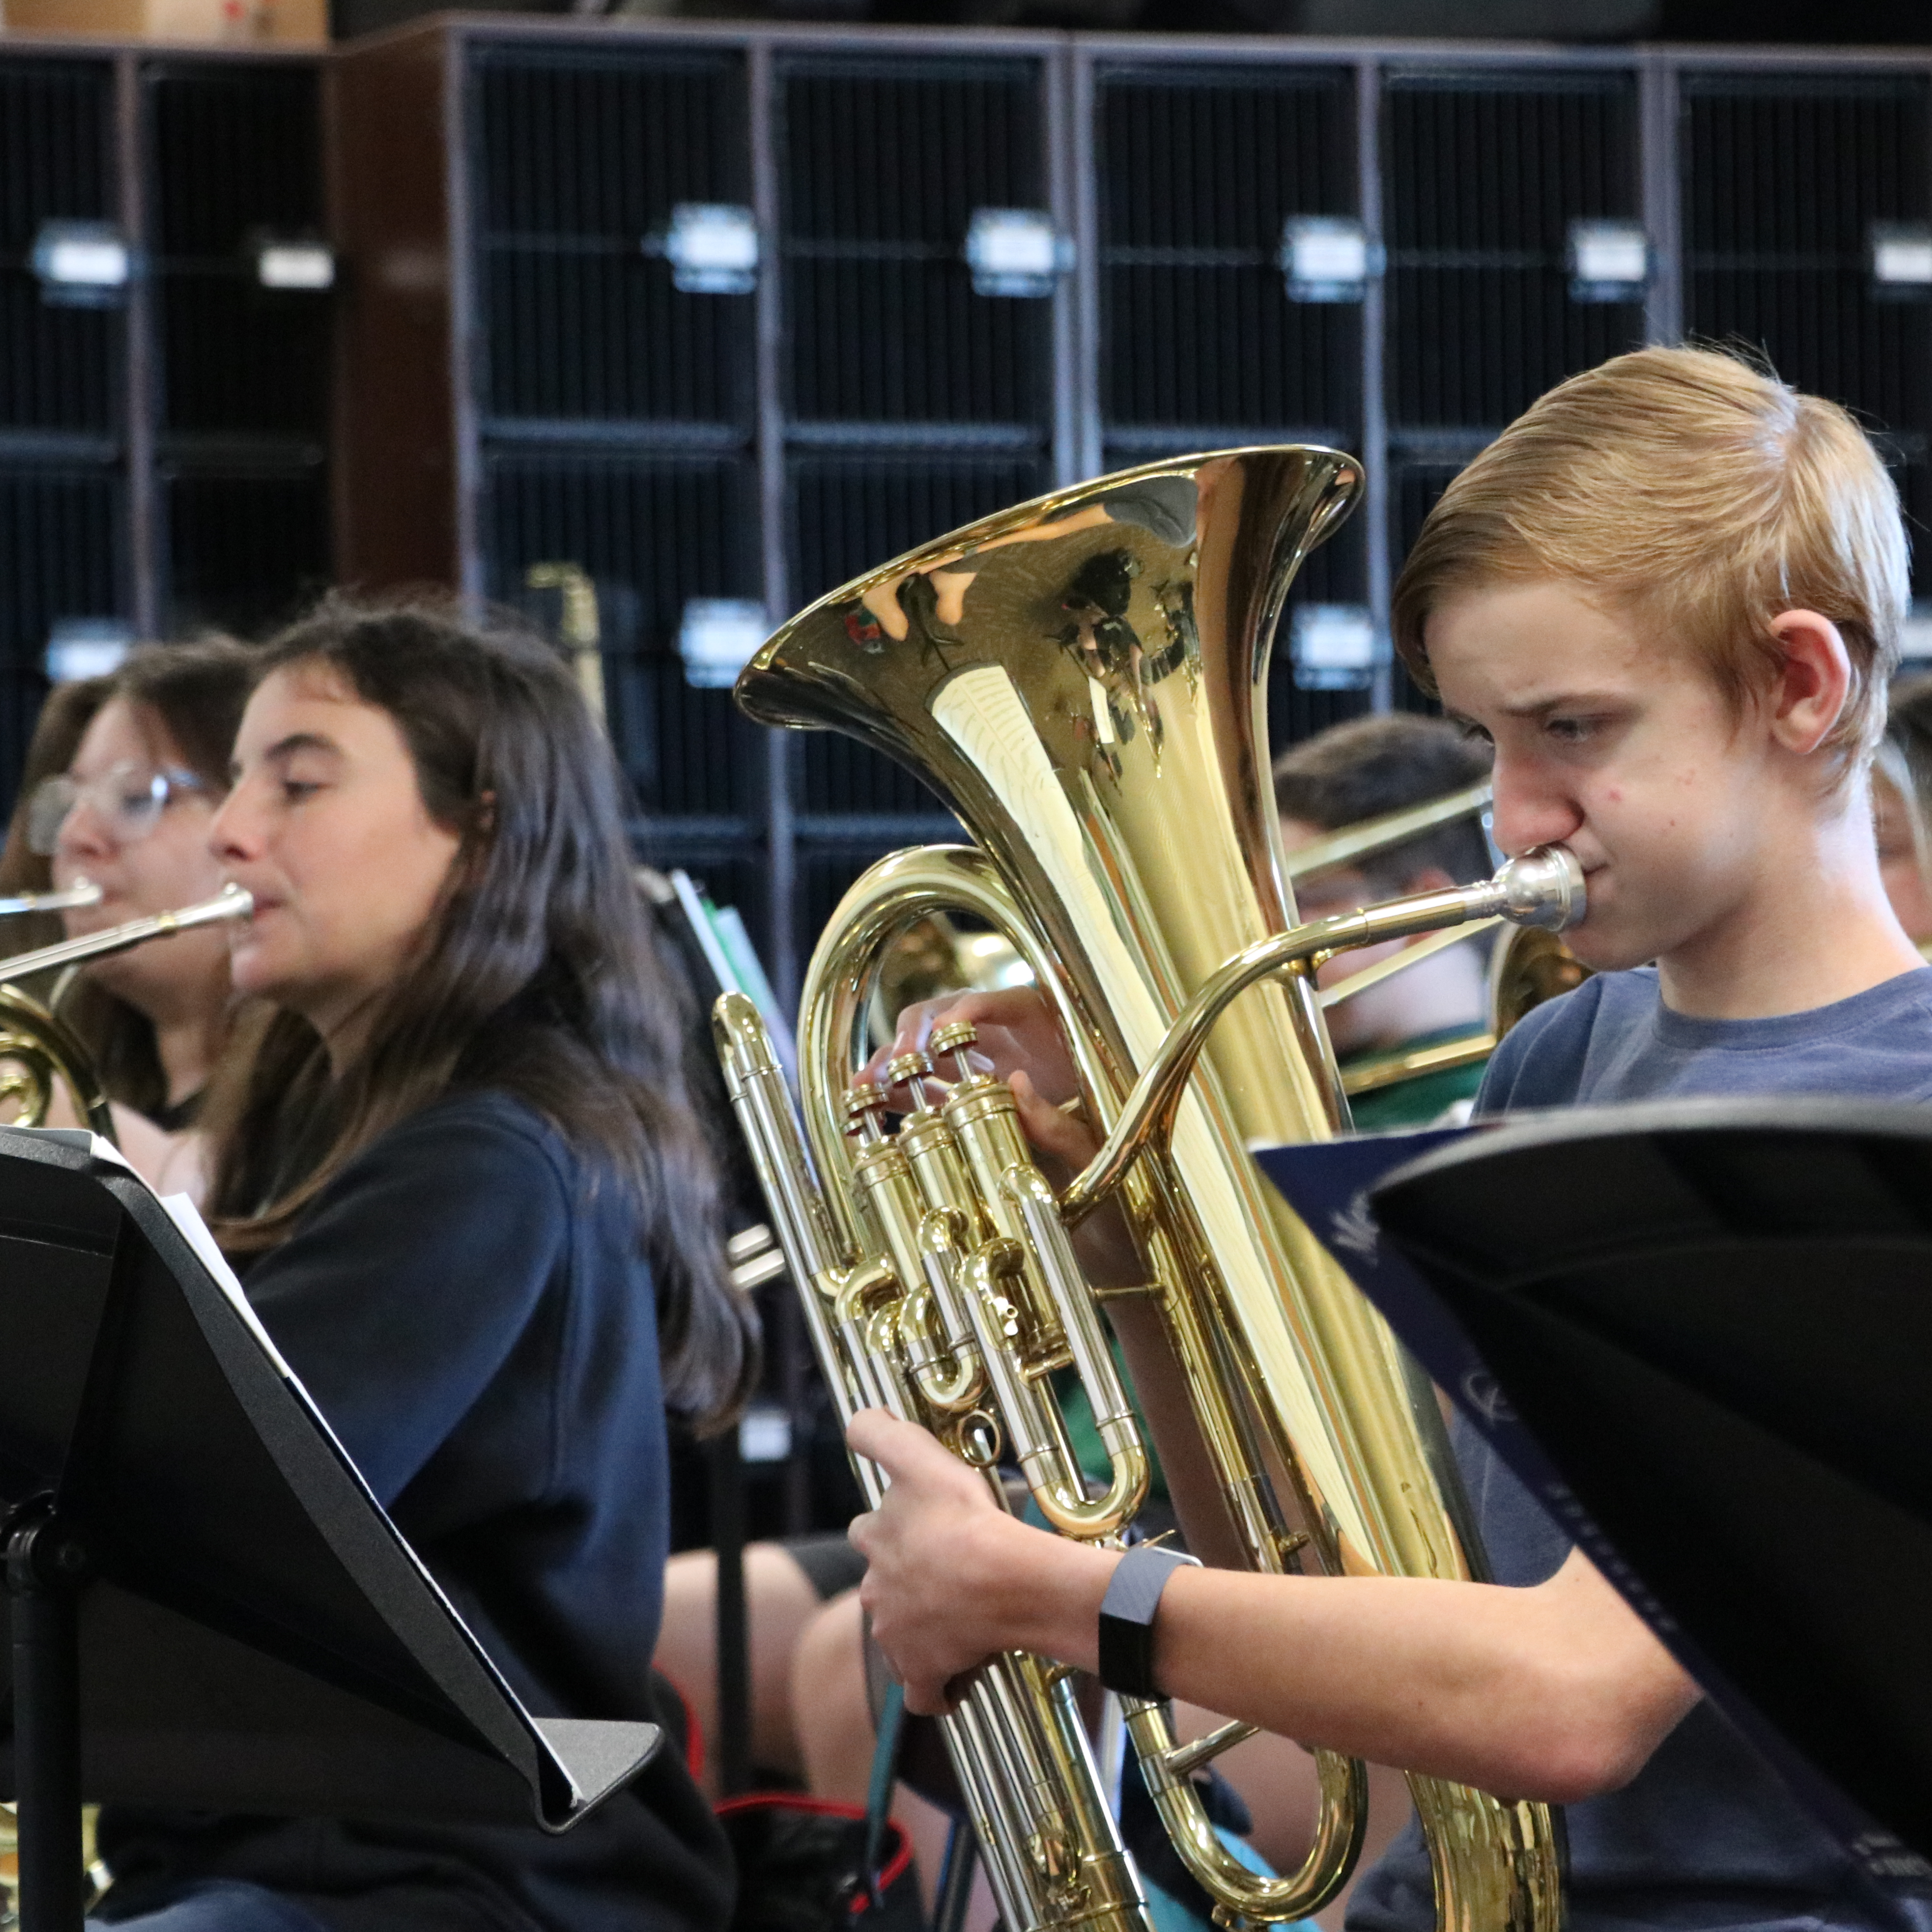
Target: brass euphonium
[{"x": 1083, "y": 679}]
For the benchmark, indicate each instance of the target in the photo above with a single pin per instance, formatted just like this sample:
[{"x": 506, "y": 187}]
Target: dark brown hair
[
  {"x": 541, "y": 977},
  {"x": 1370, "y": 765}
]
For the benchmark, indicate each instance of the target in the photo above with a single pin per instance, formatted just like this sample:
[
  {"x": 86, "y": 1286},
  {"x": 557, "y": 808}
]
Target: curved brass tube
[
  {"x": 36, "y": 1048},
  {"x": 1544, "y": 889},
  {"x": 1167, "y": 1769}
]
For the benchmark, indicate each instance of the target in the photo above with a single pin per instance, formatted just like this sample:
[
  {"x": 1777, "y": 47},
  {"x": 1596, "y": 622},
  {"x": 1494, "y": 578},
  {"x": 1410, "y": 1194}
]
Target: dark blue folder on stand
[{"x": 1701, "y": 1332}]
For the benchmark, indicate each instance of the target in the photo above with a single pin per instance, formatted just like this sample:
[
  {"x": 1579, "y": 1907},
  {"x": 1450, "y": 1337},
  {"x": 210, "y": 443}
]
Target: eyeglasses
[{"x": 128, "y": 800}]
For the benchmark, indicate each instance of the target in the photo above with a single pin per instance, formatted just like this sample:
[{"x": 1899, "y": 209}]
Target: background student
[
  {"x": 1902, "y": 806},
  {"x": 474, "y": 1209},
  {"x": 130, "y": 769},
  {"x": 65, "y": 714},
  {"x": 1670, "y": 594},
  {"x": 1359, "y": 770},
  {"x": 131, "y": 813}
]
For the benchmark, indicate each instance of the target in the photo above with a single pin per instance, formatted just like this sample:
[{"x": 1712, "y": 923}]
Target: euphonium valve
[
  {"x": 1084, "y": 680},
  {"x": 885, "y": 1333}
]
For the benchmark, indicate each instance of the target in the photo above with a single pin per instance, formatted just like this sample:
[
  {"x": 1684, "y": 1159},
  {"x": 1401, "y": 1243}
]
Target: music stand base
[{"x": 44, "y": 1570}]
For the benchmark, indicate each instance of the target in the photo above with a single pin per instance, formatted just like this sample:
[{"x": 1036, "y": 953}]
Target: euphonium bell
[{"x": 1084, "y": 680}]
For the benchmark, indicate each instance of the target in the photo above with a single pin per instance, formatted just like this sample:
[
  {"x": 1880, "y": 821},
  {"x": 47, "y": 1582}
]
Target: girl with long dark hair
[{"x": 475, "y": 1210}]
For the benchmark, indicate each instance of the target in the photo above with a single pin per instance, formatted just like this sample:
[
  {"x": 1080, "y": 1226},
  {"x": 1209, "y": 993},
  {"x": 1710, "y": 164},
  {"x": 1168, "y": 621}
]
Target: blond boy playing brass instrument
[{"x": 1670, "y": 595}]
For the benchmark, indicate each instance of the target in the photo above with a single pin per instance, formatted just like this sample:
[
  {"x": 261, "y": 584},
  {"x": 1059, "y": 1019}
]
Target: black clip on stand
[{"x": 44, "y": 1569}]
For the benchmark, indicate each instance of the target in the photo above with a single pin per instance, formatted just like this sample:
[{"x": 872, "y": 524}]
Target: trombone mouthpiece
[{"x": 1544, "y": 888}]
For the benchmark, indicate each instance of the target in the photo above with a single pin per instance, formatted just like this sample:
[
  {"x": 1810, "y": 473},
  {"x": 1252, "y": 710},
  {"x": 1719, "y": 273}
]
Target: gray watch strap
[{"x": 1127, "y": 1614}]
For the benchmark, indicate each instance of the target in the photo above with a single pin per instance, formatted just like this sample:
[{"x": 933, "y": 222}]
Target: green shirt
[{"x": 1416, "y": 1102}]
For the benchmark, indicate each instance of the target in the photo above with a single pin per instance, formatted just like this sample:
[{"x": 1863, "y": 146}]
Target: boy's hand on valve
[
  {"x": 1020, "y": 1039},
  {"x": 1019, "y": 1033}
]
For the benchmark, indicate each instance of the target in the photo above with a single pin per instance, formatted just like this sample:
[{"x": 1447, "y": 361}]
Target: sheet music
[{"x": 181, "y": 1210}]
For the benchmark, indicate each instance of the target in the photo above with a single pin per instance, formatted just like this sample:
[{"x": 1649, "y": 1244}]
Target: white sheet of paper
[{"x": 184, "y": 1213}]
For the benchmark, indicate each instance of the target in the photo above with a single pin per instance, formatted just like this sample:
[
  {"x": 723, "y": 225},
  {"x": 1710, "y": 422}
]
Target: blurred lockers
[
  {"x": 689, "y": 310},
  {"x": 163, "y": 437},
  {"x": 63, "y": 522}
]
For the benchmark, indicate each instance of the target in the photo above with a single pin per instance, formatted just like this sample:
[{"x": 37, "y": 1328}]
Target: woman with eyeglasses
[
  {"x": 131, "y": 814},
  {"x": 473, "y": 1206},
  {"x": 65, "y": 714}
]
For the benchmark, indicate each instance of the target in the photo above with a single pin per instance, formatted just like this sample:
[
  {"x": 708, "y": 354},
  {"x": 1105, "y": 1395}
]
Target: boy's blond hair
[{"x": 1687, "y": 488}]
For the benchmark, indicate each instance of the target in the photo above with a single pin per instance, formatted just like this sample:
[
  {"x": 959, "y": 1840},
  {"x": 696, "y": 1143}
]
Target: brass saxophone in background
[{"x": 1083, "y": 679}]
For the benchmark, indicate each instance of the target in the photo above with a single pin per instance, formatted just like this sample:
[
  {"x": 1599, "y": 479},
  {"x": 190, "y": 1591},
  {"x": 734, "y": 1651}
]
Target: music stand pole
[{"x": 44, "y": 1569}]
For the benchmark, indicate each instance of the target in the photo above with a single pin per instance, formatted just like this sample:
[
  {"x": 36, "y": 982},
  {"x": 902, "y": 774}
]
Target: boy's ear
[{"x": 1810, "y": 691}]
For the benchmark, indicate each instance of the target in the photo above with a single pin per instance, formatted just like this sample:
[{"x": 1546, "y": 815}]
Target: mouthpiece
[{"x": 1544, "y": 888}]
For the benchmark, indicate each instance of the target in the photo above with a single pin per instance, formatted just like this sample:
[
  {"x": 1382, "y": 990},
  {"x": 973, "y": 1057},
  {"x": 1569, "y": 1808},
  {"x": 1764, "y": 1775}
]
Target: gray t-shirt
[{"x": 1706, "y": 1834}]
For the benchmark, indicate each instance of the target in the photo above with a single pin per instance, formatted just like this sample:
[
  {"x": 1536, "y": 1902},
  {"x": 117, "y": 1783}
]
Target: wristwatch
[{"x": 1127, "y": 1618}]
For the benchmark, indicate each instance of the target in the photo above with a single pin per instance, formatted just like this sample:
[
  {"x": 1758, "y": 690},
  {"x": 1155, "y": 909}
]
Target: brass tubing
[
  {"x": 1555, "y": 895},
  {"x": 1442, "y": 1058},
  {"x": 1114, "y": 1419},
  {"x": 1400, "y": 962},
  {"x": 1330, "y": 1858},
  {"x": 231, "y": 902},
  {"x": 1378, "y": 834},
  {"x": 1036, "y": 1434},
  {"x": 42, "y": 1047}
]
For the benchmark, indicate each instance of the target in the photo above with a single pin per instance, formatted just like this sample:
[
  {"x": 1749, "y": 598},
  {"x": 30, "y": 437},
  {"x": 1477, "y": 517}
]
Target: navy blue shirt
[
  {"x": 1706, "y": 1834},
  {"x": 469, "y": 1304}
]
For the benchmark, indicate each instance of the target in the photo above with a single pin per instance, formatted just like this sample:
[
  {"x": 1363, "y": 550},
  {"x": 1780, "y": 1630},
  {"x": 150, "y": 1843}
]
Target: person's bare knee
[
  {"x": 829, "y": 1711},
  {"x": 687, "y": 1650},
  {"x": 780, "y": 1602}
]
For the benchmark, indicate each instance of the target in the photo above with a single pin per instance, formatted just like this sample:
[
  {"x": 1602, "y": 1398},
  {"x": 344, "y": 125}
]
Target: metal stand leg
[
  {"x": 956, "y": 1879},
  {"x": 732, "y": 1746},
  {"x": 42, "y": 1573}
]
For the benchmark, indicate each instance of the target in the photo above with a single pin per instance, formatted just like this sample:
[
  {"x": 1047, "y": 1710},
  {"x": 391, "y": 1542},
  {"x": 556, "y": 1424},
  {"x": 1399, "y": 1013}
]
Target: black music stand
[
  {"x": 207, "y": 1607},
  {"x": 1701, "y": 1332}
]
